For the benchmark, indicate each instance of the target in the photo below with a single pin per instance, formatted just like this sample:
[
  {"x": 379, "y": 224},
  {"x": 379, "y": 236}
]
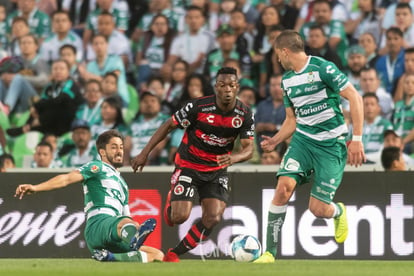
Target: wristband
[{"x": 357, "y": 138}]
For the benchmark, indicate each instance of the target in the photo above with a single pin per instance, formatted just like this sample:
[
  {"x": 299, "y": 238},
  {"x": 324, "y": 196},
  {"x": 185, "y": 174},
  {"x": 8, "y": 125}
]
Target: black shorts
[{"x": 186, "y": 182}]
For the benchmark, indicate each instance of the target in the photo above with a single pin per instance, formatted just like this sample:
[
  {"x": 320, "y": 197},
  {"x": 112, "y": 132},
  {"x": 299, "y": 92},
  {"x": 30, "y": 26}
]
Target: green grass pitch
[{"x": 62, "y": 267}]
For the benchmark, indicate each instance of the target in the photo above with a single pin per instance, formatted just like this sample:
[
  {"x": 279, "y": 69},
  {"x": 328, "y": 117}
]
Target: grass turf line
[{"x": 75, "y": 267}]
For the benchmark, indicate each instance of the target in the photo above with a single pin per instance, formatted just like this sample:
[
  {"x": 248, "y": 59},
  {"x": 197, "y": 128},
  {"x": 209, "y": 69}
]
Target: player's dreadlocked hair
[
  {"x": 227, "y": 71},
  {"x": 104, "y": 138}
]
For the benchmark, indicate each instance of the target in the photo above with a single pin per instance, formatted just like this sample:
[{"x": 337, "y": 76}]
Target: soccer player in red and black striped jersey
[{"x": 211, "y": 125}]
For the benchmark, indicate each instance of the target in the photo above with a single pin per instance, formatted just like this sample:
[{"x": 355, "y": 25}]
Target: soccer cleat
[
  {"x": 266, "y": 258},
  {"x": 146, "y": 228},
  {"x": 341, "y": 225},
  {"x": 103, "y": 255},
  {"x": 165, "y": 213},
  {"x": 171, "y": 257}
]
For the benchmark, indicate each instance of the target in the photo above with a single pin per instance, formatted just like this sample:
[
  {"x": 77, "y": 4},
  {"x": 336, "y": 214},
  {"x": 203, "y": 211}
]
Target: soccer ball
[{"x": 245, "y": 248}]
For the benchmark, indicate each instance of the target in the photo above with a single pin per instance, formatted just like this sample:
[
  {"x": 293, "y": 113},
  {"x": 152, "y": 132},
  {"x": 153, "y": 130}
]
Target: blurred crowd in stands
[{"x": 72, "y": 69}]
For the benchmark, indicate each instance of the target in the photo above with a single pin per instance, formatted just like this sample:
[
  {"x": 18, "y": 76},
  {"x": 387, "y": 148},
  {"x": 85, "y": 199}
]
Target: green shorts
[
  {"x": 326, "y": 162},
  {"x": 101, "y": 233}
]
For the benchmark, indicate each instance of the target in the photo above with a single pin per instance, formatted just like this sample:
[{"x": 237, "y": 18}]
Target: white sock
[
  {"x": 337, "y": 211},
  {"x": 277, "y": 209}
]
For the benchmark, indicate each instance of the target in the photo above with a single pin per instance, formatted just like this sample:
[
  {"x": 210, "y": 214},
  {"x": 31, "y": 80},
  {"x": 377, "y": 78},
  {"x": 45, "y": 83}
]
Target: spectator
[
  {"x": 191, "y": 46},
  {"x": 6, "y": 162},
  {"x": 61, "y": 35},
  {"x": 251, "y": 13},
  {"x": 403, "y": 118},
  {"x": 244, "y": 40},
  {"x": 144, "y": 126},
  {"x": 68, "y": 53},
  {"x": 226, "y": 39},
  {"x": 365, "y": 20},
  {"x": 119, "y": 12},
  {"x": 110, "y": 85},
  {"x": 78, "y": 11},
  {"x": 334, "y": 29},
  {"x": 90, "y": 110},
  {"x": 3, "y": 32},
  {"x": 288, "y": 13},
  {"x": 268, "y": 18},
  {"x": 19, "y": 28},
  {"x": 270, "y": 113},
  {"x": 224, "y": 15},
  {"x": 18, "y": 88},
  {"x": 112, "y": 118},
  {"x": 270, "y": 64},
  {"x": 374, "y": 124},
  {"x": 118, "y": 43},
  {"x": 84, "y": 150},
  {"x": 175, "y": 90},
  {"x": 408, "y": 69},
  {"x": 43, "y": 156},
  {"x": 306, "y": 15},
  {"x": 56, "y": 108},
  {"x": 156, "y": 85},
  {"x": 317, "y": 45},
  {"x": 195, "y": 86},
  {"x": 391, "y": 65},
  {"x": 105, "y": 63},
  {"x": 370, "y": 83},
  {"x": 404, "y": 21},
  {"x": 389, "y": 19},
  {"x": 392, "y": 159},
  {"x": 367, "y": 41},
  {"x": 38, "y": 21},
  {"x": 156, "y": 7},
  {"x": 391, "y": 139},
  {"x": 154, "y": 48}
]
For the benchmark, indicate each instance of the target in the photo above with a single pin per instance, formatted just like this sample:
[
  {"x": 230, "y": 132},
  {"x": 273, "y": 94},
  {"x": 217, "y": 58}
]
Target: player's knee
[
  {"x": 179, "y": 218},
  {"x": 211, "y": 220},
  {"x": 318, "y": 211}
]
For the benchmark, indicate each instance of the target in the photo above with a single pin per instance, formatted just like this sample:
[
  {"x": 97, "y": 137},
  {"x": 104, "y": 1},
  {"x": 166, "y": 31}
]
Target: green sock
[
  {"x": 128, "y": 231},
  {"x": 275, "y": 220},
  {"x": 132, "y": 256}
]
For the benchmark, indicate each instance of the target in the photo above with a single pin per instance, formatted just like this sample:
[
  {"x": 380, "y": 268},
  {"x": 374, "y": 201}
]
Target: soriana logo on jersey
[{"x": 145, "y": 204}]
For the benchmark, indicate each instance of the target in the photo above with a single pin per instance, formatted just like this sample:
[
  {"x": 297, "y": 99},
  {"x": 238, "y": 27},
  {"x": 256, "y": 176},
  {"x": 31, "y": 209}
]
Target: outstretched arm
[
  {"x": 286, "y": 130},
  {"x": 140, "y": 160},
  {"x": 56, "y": 182}
]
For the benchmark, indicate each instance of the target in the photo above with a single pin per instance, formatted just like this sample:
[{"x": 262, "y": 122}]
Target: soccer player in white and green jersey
[
  {"x": 110, "y": 233},
  {"x": 312, "y": 88}
]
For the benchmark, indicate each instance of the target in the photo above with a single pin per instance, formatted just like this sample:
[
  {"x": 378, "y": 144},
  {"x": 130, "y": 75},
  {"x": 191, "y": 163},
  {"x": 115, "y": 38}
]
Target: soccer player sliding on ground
[{"x": 110, "y": 233}]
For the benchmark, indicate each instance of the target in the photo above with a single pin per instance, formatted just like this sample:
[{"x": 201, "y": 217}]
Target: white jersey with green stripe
[
  {"x": 105, "y": 191},
  {"x": 313, "y": 93}
]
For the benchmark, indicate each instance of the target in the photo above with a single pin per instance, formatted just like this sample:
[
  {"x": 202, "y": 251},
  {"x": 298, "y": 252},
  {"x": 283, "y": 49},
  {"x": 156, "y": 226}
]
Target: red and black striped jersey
[{"x": 210, "y": 132}]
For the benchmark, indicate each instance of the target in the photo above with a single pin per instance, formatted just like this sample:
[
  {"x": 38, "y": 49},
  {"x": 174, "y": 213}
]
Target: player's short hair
[
  {"x": 68, "y": 46},
  {"x": 371, "y": 95},
  {"x": 104, "y": 138},
  {"x": 227, "y": 71},
  {"x": 389, "y": 155},
  {"x": 291, "y": 40}
]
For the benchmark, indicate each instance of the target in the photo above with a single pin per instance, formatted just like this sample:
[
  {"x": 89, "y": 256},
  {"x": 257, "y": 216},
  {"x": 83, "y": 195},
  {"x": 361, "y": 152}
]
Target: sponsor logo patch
[
  {"x": 94, "y": 169},
  {"x": 179, "y": 189}
]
